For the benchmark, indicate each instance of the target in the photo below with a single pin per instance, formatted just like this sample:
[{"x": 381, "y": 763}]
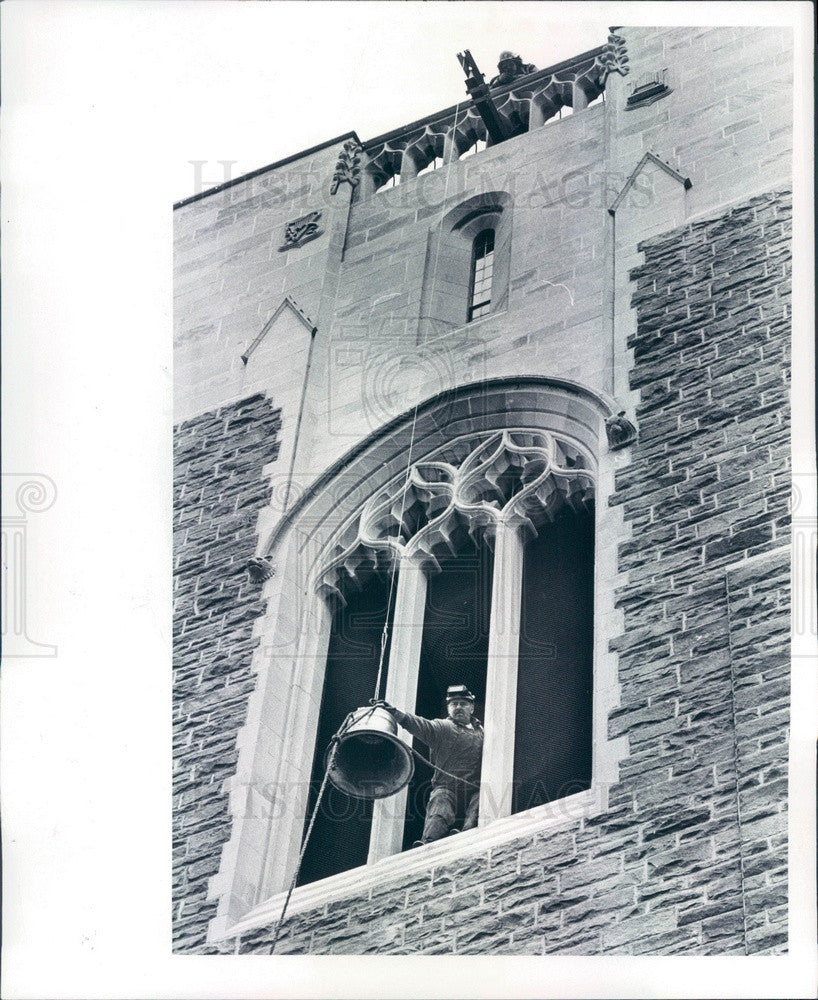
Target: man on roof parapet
[{"x": 511, "y": 66}]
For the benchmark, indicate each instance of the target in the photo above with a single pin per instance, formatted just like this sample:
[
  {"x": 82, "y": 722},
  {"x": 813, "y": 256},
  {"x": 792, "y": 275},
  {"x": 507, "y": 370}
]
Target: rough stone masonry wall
[
  {"x": 218, "y": 493},
  {"x": 691, "y": 856},
  {"x": 704, "y": 664}
]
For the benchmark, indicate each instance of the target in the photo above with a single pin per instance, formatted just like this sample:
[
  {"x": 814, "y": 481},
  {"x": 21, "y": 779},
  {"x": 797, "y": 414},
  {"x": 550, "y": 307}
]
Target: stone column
[
  {"x": 401, "y": 691},
  {"x": 580, "y": 98},
  {"x": 366, "y": 184},
  {"x": 536, "y": 116},
  {"x": 408, "y": 167},
  {"x": 501, "y": 674}
]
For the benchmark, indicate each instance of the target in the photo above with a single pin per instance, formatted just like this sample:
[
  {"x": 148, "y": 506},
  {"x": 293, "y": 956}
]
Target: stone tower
[{"x": 522, "y": 396}]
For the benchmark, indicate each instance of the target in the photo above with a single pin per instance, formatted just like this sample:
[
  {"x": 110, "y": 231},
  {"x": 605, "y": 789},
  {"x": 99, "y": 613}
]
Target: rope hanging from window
[{"x": 384, "y": 635}]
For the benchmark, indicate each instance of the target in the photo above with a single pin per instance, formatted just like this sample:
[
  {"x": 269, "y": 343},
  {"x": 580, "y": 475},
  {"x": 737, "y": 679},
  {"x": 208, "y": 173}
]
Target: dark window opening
[
  {"x": 553, "y": 731},
  {"x": 482, "y": 268},
  {"x": 340, "y": 837},
  {"x": 454, "y": 650},
  {"x": 390, "y": 182},
  {"x": 433, "y": 164},
  {"x": 476, "y": 147}
]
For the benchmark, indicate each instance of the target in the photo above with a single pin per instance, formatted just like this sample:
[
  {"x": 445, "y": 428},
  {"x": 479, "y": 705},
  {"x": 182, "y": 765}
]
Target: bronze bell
[{"x": 371, "y": 762}]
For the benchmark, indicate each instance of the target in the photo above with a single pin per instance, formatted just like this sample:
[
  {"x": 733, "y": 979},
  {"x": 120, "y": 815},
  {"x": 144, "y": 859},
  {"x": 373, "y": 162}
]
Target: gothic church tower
[{"x": 506, "y": 388}]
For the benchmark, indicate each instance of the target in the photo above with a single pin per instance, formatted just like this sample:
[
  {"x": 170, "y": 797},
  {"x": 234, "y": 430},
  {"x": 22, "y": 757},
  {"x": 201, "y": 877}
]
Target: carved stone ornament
[
  {"x": 348, "y": 167},
  {"x": 649, "y": 88},
  {"x": 259, "y": 569},
  {"x": 614, "y": 58},
  {"x": 522, "y": 477},
  {"x": 301, "y": 231},
  {"x": 620, "y": 431}
]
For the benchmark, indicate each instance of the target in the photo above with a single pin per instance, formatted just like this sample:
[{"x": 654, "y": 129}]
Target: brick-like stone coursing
[
  {"x": 704, "y": 660},
  {"x": 690, "y": 857},
  {"x": 218, "y": 493}
]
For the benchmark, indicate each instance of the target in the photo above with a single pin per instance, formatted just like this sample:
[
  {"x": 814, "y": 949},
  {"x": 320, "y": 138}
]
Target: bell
[{"x": 371, "y": 762}]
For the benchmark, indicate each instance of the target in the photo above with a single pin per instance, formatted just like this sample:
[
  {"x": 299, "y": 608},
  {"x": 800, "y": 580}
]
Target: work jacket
[{"x": 454, "y": 748}]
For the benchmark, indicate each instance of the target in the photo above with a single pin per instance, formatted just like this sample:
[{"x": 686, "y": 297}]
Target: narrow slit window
[{"x": 481, "y": 271}]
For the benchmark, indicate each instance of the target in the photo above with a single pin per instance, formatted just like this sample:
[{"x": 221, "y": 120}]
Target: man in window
[{"x": 456, "y": 745}]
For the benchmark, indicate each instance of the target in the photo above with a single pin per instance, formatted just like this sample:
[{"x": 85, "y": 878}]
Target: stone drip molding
[
  {"x": 522, "y": 105},
  {"x": 519, "y": 477}
]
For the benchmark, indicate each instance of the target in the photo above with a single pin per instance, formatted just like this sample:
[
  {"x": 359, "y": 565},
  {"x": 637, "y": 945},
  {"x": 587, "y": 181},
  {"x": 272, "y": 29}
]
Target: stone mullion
[
  {"x": 536, "y": 115},
  {"x": 366, "y": 184},
  {"x": 401, "y": 690},
  {"x": 496, "y": 788}
]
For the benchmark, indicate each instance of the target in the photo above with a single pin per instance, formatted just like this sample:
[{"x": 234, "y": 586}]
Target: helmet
[{"x": 505, "y": 56}]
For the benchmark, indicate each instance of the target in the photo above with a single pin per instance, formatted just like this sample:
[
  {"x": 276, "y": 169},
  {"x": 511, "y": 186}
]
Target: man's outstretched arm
[{"x": 425, "y": 729}]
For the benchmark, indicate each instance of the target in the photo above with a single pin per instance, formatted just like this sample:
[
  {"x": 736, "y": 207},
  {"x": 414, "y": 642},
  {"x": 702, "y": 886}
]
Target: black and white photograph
[{"x": 409, "y": 500}]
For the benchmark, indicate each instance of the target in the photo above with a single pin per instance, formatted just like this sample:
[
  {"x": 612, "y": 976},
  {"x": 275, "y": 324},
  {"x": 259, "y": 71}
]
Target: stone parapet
[{"x": 522, "y": 105}]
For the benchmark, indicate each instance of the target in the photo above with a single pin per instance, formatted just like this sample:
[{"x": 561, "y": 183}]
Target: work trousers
[{"x": 442, "y": 810}]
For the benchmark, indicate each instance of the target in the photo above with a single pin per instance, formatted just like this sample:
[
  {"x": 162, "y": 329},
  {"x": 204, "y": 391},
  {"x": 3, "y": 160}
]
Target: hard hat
[
  {"x": 507, "y": 55},
  {"x": 458, "y": 691}
]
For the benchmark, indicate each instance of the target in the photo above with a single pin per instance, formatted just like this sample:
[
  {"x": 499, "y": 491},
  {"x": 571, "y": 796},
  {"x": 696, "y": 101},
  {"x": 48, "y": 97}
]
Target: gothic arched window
[
  {"x": 482, "y": 269},
  {"x": 468, "y": 262},
  {"x": 502, "y": 574},
  {"x": 490, "y": 538}
]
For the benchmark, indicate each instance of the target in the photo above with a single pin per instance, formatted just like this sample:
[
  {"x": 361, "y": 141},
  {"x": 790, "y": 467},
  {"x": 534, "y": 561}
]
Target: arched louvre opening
[
  {"x": 340, "y": 837},
  {"x": 453, "y": 651},
  {"x": 553, "y": 728},
  {"x": 491, "y": 537},
  {"x": 502, "y": 458}
]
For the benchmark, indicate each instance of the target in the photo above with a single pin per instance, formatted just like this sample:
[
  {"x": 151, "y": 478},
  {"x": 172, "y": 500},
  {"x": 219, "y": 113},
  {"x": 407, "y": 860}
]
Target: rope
[
  {"x": 448, "y": 774},
  {"x": 335, "y": 742},
  {"x": 384, "y": 637},
  {"x": 411, "y": 446},
  {"x": 385, "y": 631}
]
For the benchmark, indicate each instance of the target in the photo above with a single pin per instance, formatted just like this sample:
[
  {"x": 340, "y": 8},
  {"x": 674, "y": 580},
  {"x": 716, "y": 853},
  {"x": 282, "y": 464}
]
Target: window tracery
[
  {"x": 518, "y": 477},
  {"x": 500, "y": 489}
]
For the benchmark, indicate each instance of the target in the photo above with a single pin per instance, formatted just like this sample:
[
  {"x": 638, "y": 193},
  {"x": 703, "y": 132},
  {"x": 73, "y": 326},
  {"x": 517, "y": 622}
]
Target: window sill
[{"x": 360, "y": 880}]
